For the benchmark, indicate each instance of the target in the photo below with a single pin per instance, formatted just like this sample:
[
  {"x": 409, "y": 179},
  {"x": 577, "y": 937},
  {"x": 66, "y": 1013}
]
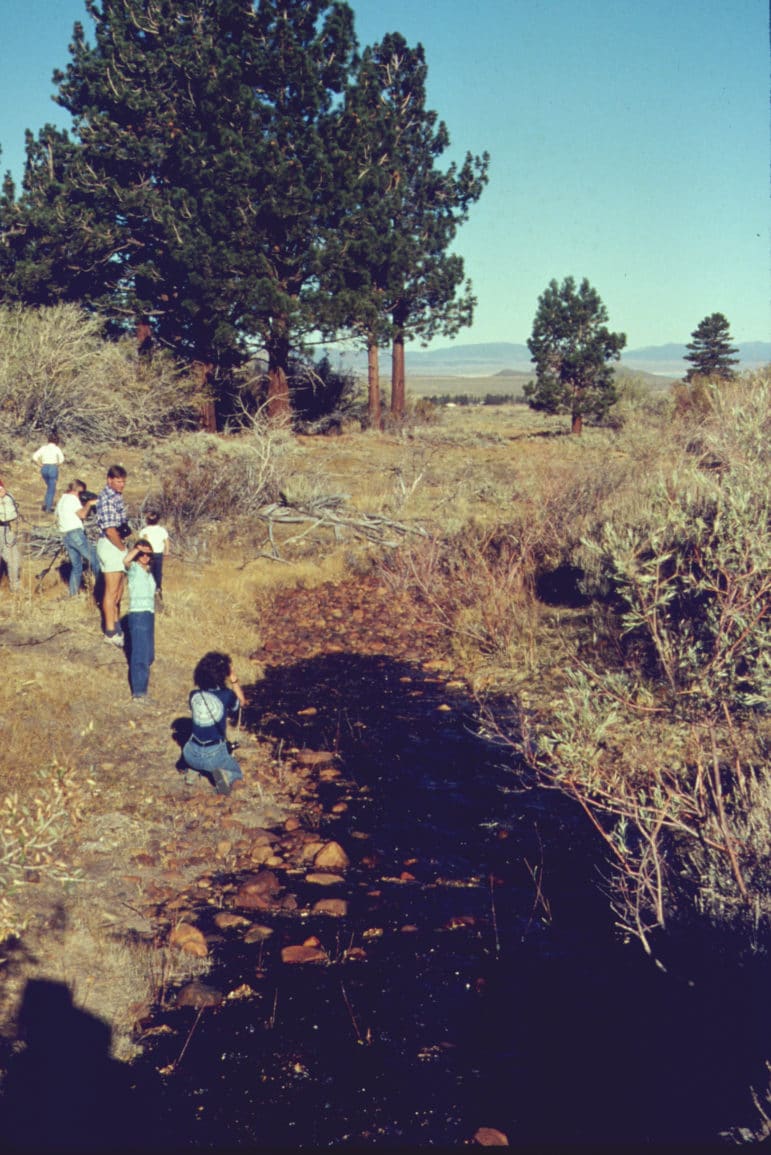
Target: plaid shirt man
[{"x": 110, "y": 509}]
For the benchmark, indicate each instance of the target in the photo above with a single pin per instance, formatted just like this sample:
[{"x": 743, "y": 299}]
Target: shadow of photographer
[{"x": 63, "y": 1091}]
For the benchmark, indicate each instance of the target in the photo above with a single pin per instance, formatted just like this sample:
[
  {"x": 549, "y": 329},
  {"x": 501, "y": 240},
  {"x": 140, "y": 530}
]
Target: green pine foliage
[
  {"x": 394, "y": 276},
  {"x": 238, "y": 177},
  {"x": 571, "y": 348},
  {"x": 710, "y": 351}
]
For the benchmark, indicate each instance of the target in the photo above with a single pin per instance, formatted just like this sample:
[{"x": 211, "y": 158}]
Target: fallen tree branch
[{"x": 325, "y": 513}]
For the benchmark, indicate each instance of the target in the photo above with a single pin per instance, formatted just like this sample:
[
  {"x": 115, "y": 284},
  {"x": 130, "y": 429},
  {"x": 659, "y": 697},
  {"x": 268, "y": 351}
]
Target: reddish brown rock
[
  {"x": 314, "y": 757},
  {"x": 490, "y": 1137},
  {"x": 304, "y": 954},
  {"x": 260, "y": 853},
  {"x": 310, "y": 849},
  {"x": 331, "y": 857},
  {"x": 225, "y": 919},
  {"x": 258, "y": 934},
  {"x": 258, "y": 892},
  {"x": 189, "y": 939},
  {"x": 336, "y": 907},
  {"x": 197, "y": 994}
]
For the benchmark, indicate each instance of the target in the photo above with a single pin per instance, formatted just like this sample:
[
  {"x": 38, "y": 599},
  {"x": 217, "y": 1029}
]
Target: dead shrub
[
  {"x": 58, "y": 372},
  {"x": 202, "y": 478}
]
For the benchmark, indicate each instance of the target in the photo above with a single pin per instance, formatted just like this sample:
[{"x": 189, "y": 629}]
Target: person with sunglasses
[{"x": 140, "y": 619}]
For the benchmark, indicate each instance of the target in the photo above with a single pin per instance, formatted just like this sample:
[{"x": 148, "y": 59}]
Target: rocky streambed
[{"x": 419, "y": 954}]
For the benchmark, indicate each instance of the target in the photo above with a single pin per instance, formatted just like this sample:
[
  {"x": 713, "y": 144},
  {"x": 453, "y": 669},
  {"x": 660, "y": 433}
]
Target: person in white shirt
[
  {"x": 71, "y": 513},
  {"x": 158, "y": 536},
  {"x": 9, "y": 537},
  {"x": 49, "y": 457}
]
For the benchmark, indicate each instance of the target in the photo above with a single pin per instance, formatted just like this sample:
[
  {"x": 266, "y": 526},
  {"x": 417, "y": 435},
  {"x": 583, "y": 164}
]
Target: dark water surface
[{"x": 491, "y": 988}]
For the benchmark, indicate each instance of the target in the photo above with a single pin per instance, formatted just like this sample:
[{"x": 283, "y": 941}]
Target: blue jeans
[
  {"x": 208, "y": 758},
  {"x": 50, "y": 475},
  {"x": 156, "y": 569},
  {"x": 141, "y": 650},
  {"x": 80, "y": 549}
]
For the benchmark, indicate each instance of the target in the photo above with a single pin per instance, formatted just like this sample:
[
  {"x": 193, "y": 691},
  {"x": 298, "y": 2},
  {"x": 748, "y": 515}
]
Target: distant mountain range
[{"x": 487, "y": 360}]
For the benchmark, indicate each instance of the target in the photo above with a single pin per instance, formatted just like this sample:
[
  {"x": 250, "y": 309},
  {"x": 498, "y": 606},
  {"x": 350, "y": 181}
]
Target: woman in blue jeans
[
  {"x": 218, "y": 697},
  {"x": 71, "y": 513},
  {"x": 49, "y": 457}
]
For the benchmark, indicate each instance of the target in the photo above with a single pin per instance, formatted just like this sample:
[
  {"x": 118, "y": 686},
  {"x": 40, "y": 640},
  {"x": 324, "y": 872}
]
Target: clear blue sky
[{"x": 629, "y": 144}]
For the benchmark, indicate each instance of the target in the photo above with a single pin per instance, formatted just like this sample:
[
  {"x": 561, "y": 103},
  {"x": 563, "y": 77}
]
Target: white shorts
[{"x": 110, "y": 557}]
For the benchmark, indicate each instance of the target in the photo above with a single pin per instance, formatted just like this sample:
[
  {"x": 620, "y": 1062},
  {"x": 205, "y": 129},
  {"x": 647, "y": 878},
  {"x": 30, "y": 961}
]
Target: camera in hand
[{"x": 86, "y": 495}]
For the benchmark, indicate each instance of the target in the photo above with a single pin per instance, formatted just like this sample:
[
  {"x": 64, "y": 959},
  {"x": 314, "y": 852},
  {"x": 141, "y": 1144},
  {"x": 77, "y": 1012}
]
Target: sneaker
[
  {"x": 221, "y": 781},
  {"x": 114, "y": 639}
]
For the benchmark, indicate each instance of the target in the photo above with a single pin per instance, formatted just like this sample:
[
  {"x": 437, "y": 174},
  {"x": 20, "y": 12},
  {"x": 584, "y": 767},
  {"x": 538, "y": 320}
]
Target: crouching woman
[{"x": 218, "y": 697}]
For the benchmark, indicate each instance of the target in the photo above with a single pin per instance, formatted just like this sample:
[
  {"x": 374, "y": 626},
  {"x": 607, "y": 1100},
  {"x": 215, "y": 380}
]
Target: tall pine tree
[
  {"x": 710, "y": 351},
  {"x": 571, "y": 348},
  {"x": 197, "y": 190},
  {"x": 403, "y": 212}
]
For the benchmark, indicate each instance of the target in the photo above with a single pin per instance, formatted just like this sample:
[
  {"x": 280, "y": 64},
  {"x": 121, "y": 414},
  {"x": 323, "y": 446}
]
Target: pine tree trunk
[
  {"x": 578, "y": 424},
  {"x": 203, "y": 371},
  {"x": 373, "y": 380},
  {"x": 397, "y": 375},
  {"x": 278, "y": 404}
]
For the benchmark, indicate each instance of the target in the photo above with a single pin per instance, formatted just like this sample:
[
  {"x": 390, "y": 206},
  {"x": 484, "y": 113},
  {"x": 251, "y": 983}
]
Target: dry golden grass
[
  {"x": 498, "y": 491},
  {"x": 477, "y": 467}
]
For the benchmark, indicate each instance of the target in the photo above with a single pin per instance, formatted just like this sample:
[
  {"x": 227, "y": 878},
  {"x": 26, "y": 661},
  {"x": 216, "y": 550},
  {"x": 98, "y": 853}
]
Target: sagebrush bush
[
  {"x": 691, "y": 572},
  {"x": 665, "y": 750},
  {"x": 58, "y": 372},
  {"x": 202, "y": 478}
]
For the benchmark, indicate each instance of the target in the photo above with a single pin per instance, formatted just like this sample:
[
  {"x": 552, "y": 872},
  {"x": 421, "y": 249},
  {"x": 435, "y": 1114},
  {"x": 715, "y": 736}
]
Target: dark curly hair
[{"x": 212, "y": 671}]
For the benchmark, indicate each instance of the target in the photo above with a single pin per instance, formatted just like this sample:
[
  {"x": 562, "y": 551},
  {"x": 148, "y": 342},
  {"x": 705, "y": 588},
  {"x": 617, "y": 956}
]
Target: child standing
[
  {"x": 158, "y": 537},
  {"x": 141, "y": 617}
]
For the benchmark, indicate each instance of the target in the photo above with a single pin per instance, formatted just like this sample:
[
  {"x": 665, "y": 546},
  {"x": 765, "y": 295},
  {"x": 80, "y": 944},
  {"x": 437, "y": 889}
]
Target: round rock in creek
[
  {"x": 258, "y": 934},
  {"x": 337, "y": 907},
  {"x": 258, "y": 892},
  {"x": 189, "y": 939},
  {"x": 331, "y": 857},
  {"x": 304, "y": 954},
  {"x": 490, "y": 1137},
  {"x": 197, "y": 994}
]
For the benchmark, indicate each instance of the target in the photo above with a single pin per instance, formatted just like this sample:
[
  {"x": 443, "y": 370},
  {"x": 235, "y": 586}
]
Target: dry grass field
[
  {"x": 81, "y": 763},
  {"x": 462, "y": 515}
]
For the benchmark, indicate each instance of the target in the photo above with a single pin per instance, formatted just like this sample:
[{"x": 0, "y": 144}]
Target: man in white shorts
[{"x": 110, "y": 515}]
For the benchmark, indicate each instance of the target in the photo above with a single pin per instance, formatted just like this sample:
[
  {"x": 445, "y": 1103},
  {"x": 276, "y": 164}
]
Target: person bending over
[
  {"x": 71, "y": 513},
  {"x": 218, "y": 697}
]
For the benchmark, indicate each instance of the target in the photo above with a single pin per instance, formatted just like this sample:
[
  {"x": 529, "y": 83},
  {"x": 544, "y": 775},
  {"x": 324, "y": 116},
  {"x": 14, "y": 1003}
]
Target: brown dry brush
[
  {"x": 58, "y": 372},
  {"x": 666, "y": 751},
  {"x": 658, "y": 728}
]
